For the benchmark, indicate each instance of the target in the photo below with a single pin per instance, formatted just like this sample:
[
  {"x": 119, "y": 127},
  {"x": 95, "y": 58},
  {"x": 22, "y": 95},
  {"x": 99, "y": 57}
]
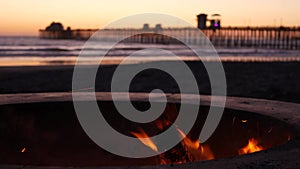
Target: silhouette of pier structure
[{"x": 230, "y": 37}]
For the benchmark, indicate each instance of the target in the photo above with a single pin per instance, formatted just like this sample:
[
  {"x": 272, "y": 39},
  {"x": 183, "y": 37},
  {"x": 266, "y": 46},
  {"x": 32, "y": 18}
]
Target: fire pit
[{"x": 43, "y": 130}]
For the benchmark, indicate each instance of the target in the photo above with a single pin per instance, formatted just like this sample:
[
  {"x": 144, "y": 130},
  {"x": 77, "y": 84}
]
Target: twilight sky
[{"x": 25, "y": 17}]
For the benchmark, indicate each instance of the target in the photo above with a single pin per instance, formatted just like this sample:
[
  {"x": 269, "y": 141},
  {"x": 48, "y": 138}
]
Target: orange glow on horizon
[{"x": 26, "y": 17}]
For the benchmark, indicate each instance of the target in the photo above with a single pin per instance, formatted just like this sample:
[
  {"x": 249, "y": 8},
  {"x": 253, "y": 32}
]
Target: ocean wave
[
  {"x": 38, "y": 49},
  {"x": 33, "y": 46}
]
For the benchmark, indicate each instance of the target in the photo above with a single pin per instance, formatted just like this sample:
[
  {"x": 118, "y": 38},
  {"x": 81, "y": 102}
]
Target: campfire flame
[
  {"x": 144, "y": 138},
  {"x": 187, "y": 150},
  {"x": 186, "y": 141},
  {"x": 195, "y": 149},
  {"x": 251, "y": 147}
]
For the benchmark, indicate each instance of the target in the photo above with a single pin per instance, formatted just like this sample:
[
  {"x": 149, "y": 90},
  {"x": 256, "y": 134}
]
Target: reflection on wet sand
[{"x": 113, "y": 60}]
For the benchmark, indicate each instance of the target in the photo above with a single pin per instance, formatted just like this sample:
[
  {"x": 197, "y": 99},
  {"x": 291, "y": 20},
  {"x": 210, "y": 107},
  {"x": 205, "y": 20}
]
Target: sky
[{"x": 25, "y": 17}]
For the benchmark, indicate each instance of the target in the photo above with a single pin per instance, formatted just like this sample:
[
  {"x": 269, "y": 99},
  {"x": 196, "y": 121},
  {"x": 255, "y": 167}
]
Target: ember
[{"x": 244, "y": 121}]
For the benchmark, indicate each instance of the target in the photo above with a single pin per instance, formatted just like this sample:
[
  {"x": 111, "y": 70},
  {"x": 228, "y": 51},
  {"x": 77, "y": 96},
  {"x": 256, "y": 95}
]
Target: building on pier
[{"x": 215, "y": 21}]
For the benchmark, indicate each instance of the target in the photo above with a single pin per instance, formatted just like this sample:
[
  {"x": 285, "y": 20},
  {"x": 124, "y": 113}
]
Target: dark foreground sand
[{"x": 276, "y": 81}]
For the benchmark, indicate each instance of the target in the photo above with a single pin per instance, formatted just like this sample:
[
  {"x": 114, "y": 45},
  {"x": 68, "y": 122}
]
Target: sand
[{"x": 275, "y": 81}]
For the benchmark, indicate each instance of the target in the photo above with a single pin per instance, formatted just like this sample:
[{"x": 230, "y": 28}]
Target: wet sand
[{"x": 276, "y": 81}]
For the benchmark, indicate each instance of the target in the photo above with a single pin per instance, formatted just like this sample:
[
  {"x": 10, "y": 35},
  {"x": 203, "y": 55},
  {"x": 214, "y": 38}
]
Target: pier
[{"x": 229, "y": 37}]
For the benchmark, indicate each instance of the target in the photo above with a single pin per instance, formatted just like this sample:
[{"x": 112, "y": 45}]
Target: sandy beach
[{"x": 275, "y": 81}]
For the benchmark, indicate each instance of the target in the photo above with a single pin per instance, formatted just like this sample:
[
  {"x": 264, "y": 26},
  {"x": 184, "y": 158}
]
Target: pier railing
[{"x": 275, "y": 38}]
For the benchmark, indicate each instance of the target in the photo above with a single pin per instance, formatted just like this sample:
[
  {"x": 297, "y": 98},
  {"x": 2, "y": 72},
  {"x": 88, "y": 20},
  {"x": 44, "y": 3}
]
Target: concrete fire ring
[{"x": 286, "y": 156}]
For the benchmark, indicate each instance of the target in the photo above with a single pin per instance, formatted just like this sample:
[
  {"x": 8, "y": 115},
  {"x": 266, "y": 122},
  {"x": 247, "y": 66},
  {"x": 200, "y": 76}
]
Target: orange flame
[
  {"x": 197, "y": 150},
  {"x": 251, "y": 147},
  {"x": 187, "y": 151},
  {"x": 189, "y": 142},
  {"x": 144, "y": 138},
  {"x": 23, "y": 150}
]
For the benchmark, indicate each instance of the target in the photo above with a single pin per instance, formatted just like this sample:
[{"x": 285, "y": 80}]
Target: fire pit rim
[{"x": 281, "y": 156}]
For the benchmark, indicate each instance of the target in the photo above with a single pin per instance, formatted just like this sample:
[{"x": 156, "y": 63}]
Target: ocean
[{"x": 31, "y": 51}]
